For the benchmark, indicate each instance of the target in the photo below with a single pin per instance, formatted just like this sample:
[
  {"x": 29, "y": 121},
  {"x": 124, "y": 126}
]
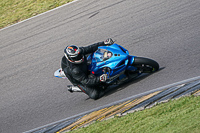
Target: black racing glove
[
  {"x": 109, "y": 41},
  {"x": 103, "y": 77}
]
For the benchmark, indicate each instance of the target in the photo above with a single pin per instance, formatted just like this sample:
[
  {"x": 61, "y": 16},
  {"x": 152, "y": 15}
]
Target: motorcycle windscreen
[{"x": 102, "y": 55}]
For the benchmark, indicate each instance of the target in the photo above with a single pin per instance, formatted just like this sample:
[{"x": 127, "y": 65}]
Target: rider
[{"x": 74, "y": 65}]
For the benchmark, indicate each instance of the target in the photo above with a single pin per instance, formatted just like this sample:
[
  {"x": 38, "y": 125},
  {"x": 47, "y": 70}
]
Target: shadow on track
[{"x": 115, "y": 88}]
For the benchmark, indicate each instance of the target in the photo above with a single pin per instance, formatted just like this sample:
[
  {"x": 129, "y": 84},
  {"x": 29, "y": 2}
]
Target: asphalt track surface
[{"x": 166, "y": 31}]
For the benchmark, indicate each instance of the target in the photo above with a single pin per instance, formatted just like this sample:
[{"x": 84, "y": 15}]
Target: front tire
[{"x": 145, "y": 65}]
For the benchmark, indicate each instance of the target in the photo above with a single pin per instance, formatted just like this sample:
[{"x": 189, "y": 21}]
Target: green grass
[
  {"x": 176, "y": 116},
  {"x": 13, "y": 11}
]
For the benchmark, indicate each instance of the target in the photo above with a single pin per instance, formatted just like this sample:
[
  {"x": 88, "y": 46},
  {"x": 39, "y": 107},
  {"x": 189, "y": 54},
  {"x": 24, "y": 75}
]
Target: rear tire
[{"x": 145, "y": 65}]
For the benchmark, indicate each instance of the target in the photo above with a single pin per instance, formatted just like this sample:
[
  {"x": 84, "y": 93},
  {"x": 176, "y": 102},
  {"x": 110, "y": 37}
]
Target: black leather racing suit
[{"x": 78, "y": 74}]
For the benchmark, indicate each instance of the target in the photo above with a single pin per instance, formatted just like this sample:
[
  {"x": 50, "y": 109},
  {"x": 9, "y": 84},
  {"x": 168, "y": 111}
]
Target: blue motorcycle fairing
[{"x": 114, "y": 57}]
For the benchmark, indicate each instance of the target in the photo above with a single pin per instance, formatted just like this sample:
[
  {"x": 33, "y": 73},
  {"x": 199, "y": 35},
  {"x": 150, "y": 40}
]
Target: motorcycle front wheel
[{"x": 145, "y": 65}]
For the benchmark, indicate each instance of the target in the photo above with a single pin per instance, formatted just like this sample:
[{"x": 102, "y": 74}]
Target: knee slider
[{"x": 94, "y": 94}]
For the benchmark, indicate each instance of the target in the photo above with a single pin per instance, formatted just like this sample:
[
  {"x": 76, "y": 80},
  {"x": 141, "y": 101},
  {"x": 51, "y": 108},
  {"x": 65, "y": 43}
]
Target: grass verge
[
  {"x": 176, "y": 116},
  {"x": 13, "y": 11}
]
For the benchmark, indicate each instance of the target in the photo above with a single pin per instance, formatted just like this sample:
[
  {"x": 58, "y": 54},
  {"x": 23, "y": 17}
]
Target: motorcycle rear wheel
[{"x": 145, "y": 65}]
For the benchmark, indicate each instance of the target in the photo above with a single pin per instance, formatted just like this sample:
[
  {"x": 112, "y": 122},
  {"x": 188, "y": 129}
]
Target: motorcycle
[{"x": 115, "y": 61}]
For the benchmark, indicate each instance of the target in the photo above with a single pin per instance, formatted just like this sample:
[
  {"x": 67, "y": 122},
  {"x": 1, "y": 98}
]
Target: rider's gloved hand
[
  {"x": 103, "y": 77},
  {"x": 109, "y": 41}
]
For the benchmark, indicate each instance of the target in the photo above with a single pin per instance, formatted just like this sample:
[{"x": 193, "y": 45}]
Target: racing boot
[{"x": 72, "y": 89}]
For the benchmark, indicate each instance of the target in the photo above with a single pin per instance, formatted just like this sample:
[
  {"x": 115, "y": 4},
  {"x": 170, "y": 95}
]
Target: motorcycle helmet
[{"x": 72, "y": 53}]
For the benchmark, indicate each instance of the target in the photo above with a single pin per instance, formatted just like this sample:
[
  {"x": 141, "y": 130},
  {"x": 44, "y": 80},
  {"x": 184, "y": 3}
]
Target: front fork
[{"x": 130, "y": 66}]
